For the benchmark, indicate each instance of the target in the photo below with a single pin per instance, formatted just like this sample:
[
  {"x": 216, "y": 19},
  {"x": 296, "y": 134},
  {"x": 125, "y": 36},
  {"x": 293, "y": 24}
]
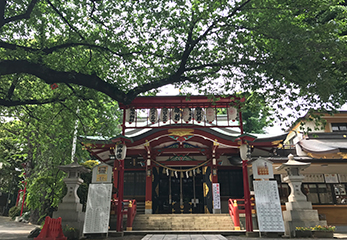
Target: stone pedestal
[
  {"x": 217, "y": 211},
  {"x": 70, "y": 210},
  {"x": 299, "y": 212}
]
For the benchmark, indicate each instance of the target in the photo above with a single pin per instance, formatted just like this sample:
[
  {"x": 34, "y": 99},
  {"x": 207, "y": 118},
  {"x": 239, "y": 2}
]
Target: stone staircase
[
  {"x": 140, "y": 207},
  {"x": 183, "y": 222}
]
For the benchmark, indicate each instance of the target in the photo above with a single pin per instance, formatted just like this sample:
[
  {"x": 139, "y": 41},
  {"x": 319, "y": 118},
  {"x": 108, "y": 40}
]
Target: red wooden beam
[{"x": 182, "y": 102}]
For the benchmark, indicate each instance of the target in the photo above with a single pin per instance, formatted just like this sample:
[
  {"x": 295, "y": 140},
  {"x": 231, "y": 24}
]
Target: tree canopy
[
  {"x": 275, "y": 48},
  {"x": 41, "y": 136}
]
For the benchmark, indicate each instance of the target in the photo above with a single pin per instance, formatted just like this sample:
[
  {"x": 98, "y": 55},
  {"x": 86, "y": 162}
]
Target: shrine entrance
[
  {"x": 178, "y": 194},
  {"x": 166, "y": 139}
]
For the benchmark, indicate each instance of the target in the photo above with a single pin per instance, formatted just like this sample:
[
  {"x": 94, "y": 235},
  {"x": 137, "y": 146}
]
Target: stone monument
[
  {"x": 299, "y": 212},
  {"x": 70, "y": 209}
]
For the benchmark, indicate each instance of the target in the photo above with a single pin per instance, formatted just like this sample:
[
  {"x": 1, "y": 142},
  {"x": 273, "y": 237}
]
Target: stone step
[
  {"x": 183, "y": 222},
  {"x": 140, "y": 207}
]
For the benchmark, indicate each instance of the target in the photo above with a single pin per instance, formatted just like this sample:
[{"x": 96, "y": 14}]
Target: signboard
[
  {"x": 216, "y": 195},
  {"x": 313, "y": 177},
  {"x": 331, "y": 178},
  {"x": 262, "y": 169},
  {"x": 268, "y": 205},
  {"x": 343, "y": 178},
  {"x": 98, "y": 208},
  {"x": 102, "y": 173}
]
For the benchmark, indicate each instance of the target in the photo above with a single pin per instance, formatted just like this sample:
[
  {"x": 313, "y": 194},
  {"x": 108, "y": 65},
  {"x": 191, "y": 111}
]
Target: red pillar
[
  {"x": 120, "y": 195},
  {"x": 24, "y": 192},
  {"x": 115, "y": 176},
  {"x": 248, "y": 210},
  {"x": 148, "y": 200}
]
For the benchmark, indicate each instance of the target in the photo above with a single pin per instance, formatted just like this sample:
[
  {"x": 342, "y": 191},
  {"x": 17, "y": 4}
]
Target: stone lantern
[
  {"x": 299, "y": 212},
  {"x": 70, "y": 209}
]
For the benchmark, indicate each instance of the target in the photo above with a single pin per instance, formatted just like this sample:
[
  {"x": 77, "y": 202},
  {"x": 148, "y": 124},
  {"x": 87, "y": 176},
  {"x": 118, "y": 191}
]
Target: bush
[{"x": 14, "y": 212}]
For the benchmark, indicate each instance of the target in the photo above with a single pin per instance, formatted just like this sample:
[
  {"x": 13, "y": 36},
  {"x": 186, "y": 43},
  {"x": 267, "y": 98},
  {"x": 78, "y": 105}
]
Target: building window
[
  {"x": 231, "y": 183},
  {"x": 339, "y": 127},
  {"x": 321, "y": 193},
  {"x": 134, "y": 183}
]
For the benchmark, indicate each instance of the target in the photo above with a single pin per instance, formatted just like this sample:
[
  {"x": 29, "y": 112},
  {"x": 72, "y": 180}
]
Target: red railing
[
  {"x": 128, "y": 208},
  {"x": 241, "y": 204},
  {"x": 131, "y": 214},
  {"x": 234, "y": 213},
  {"x": 237, "y": 206}
]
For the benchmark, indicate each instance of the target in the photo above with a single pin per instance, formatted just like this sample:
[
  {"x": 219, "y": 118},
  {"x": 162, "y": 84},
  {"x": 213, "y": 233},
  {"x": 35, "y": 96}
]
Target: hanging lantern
[
  {"x": 164, "y": 115},
  {"x": 120, "y": 151},
  {"x": 153, "y": 115},
  {"x": 245, "y": 152},
  {"x": 199, "y": 114},
  {"x": 210, "y": 114},
  {"x": 130, "y": 115},
  {"x": 187, "y": 115},
  {"x": 232, "y": 113},
  {"x": 176, "y": 115}
]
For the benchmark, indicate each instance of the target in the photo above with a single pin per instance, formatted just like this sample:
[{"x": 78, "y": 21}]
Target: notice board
[
  {"x": 98, "y": 208},
  {"x": 216, "y": 195},
  {"x": 268, "y": 205}
]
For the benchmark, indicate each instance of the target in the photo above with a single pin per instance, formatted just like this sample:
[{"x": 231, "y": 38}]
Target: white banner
[{"x": 216, "y": 195}]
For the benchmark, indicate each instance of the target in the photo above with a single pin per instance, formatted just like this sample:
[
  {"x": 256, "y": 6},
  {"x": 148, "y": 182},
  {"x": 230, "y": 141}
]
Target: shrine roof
[{"x": 226, "y": 133}]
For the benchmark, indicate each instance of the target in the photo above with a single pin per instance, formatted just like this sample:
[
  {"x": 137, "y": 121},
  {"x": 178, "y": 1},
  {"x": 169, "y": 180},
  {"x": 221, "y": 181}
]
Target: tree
[
  {"x": 276, "y": 49},
  {"x": 256, "y": 119},
  {"x": 42, "y": 136}
]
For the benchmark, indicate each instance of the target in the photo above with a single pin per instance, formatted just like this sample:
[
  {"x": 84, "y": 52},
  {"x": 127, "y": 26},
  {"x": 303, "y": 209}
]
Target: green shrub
[{"x": 14, "y": 212}]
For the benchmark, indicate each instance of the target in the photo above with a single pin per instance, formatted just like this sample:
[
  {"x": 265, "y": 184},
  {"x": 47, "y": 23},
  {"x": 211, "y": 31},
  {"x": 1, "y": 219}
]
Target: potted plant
[
  {"x": 70, "y": 232},
  {"x": 323, "y": 231},
  {"x": 303, "y": 232}
]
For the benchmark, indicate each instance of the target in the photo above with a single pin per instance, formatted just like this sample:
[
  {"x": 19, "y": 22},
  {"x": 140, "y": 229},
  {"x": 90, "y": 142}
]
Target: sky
[{"x": 276, "y": 129}]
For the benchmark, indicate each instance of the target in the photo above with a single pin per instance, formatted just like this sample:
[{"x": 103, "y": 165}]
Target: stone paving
[
  {"x": 10, "y": 230},
  {"x": 183, "y": 237}
]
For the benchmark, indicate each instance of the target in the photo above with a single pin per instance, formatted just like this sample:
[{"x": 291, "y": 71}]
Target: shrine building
[{"x": 174, "y": 148}]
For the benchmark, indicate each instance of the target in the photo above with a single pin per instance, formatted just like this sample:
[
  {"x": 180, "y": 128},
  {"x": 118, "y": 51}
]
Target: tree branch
[
  {"x": 11, "y": 103},
  {"x": 65, "y": 20},
  {"x": 68, "y": 45},
  {"x": 12, "y": 87},
  {"x": 155, "y": 84},
  {"x": 51, "y": 76},
  {"x": 25, "y": 15},
  {"x": 209, "y": 65}
]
